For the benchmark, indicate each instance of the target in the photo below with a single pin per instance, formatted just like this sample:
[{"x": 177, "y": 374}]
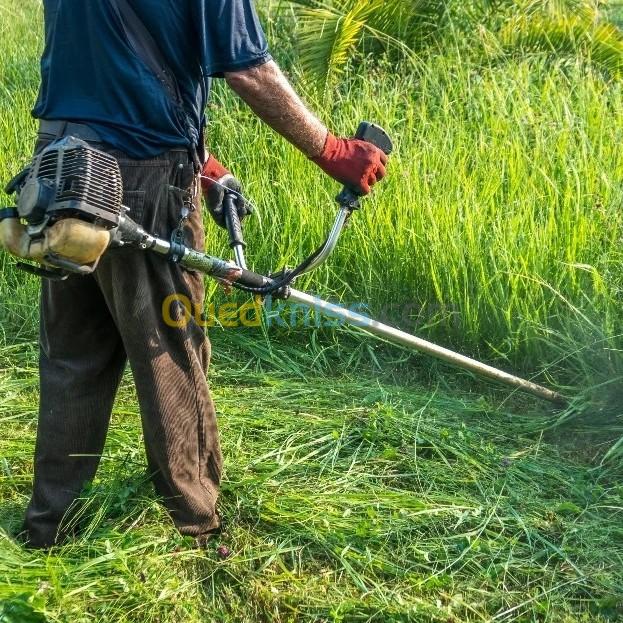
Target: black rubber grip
[
  {"x": 252, "y": 280},
  {"x": 375, "y": 134},
  {"x": 232, "y": 220}
]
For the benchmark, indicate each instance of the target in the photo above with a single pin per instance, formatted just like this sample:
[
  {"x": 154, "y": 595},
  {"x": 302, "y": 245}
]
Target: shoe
[{"x": 23, "y": 538}]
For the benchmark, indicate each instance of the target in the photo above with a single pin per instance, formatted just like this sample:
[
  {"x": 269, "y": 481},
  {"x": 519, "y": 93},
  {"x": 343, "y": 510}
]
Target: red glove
[
  {"x": 213, "y": 171},
  {"x": 354, "y": 163},
  {"x": 215, "y": 180}
]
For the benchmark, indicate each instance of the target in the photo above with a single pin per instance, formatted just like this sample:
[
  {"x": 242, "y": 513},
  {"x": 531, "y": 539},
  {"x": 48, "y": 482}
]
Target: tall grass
[
  {"x": 498, "y": 232},
  {"x": 499, "y": 225}
]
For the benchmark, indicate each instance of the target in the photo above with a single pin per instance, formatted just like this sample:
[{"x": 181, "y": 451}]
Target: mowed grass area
[
  {"x": 361, "y": 484},
  {"x": 343, "y": 500}
]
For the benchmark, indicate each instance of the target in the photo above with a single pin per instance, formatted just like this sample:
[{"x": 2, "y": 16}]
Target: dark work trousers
[{"x": 90, "y": 327}]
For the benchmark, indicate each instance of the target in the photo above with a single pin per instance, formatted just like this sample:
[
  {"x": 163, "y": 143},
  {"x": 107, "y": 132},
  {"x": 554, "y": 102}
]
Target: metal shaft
[
  {"x": 231, "y": 272},
  {"x": 239, "y": 254},
  {"x": 411, "y": 341}
]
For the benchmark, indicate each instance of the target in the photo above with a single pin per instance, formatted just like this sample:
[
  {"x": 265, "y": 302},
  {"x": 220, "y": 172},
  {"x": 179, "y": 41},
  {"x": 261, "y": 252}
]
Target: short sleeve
[{"x": 231, "y": 36}]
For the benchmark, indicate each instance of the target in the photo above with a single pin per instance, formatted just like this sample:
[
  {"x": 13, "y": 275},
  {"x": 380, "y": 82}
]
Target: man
[{"x": 97, "y": 84}]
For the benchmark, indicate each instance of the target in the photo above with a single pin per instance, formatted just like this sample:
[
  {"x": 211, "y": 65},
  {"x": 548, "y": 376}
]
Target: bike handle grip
[{"x": 371, "y": 133}]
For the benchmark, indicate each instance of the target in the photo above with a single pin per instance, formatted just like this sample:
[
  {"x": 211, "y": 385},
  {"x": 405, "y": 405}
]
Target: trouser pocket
[
  {"x": 157, "y": 190},
  {"x": 146, "y": 194}
]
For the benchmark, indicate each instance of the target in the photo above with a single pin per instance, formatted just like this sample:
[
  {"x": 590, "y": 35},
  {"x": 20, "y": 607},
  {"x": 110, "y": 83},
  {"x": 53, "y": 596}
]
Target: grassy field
[
  {"x": 362, "y": 483},
  {"x": 344, "y": 501}
]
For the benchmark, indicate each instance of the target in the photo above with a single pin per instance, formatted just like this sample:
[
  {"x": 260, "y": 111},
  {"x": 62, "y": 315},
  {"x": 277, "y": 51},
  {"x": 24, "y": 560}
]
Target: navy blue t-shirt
[{"x": 91, "y": 74}]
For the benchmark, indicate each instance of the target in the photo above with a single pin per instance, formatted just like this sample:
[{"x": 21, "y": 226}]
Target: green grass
[
  {"x": 363, "y": 483},
  {"x": 498, "y": 231},
  {"x": 343, "y": 500}
]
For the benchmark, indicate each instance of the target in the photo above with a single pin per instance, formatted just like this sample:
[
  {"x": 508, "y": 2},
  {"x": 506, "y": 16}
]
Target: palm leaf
[
  {"x": 332, "y": 32},
  {"x": 413, "y": 23},
  {"x": 328, "y": 37},
  {"x": 565, "y": 35}
]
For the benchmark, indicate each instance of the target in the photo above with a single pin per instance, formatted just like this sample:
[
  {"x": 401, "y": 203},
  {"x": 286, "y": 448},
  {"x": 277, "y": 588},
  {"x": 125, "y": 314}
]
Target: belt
[{"x": 58, "y": 129}]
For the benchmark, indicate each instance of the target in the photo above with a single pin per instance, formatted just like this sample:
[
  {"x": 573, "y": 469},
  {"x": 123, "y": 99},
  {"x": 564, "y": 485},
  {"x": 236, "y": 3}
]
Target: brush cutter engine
[
  {"x": 70, "y": 179},
  {"x": 70, "y": 198}
]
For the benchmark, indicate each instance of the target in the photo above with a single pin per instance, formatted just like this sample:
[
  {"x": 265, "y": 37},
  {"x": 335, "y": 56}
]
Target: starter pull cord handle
[{"x": 371, "y": 133}]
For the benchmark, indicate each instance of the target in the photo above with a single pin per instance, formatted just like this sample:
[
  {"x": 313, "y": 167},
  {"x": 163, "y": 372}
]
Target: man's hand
[
  {"x": 356, "y": 164},
  {"x": 215, "y": 180}
]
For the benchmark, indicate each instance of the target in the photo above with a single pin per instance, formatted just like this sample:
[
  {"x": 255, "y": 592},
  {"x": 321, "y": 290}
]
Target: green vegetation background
[{"x": 363, "y": 484}]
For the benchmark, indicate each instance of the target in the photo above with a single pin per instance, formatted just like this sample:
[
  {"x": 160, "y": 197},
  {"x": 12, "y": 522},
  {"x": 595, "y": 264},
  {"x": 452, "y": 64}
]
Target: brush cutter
[{"x": 73, "y": 190}]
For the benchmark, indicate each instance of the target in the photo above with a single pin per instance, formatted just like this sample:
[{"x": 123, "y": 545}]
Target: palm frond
[
  {"x": 570, "y": 35},
  {"x": 331, "y": 32},
  {"x": 329, "y": 37},
  {"x": 413, "y": 23}
]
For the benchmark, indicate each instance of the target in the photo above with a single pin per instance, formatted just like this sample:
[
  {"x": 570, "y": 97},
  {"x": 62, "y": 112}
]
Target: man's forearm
[{"x": 269, "y": 94}]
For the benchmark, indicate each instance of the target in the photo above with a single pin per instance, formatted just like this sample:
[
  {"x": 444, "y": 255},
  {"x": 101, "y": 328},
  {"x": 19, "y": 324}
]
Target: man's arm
[
  {"x": 357, "y": 164},
  {"x": 354, "y": 163},
  {"x": 269, "y": 94}
]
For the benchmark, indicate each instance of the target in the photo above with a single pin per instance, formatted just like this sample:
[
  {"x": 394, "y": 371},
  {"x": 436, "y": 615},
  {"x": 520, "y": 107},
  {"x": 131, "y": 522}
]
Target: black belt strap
[
  {"x": 58, "y": 129},
  {"x": 146, "y": 48},
  {"x": 8, "y": 213}
]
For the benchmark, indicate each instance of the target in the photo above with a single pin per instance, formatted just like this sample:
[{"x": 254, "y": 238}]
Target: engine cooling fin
[{"x": 69, "y": 178}]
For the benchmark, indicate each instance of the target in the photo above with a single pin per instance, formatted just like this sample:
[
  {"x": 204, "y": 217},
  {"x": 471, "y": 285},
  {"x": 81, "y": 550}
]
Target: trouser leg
[
  {"x": 169, "y": 363},
  {"x": 81, "y": 364}
]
